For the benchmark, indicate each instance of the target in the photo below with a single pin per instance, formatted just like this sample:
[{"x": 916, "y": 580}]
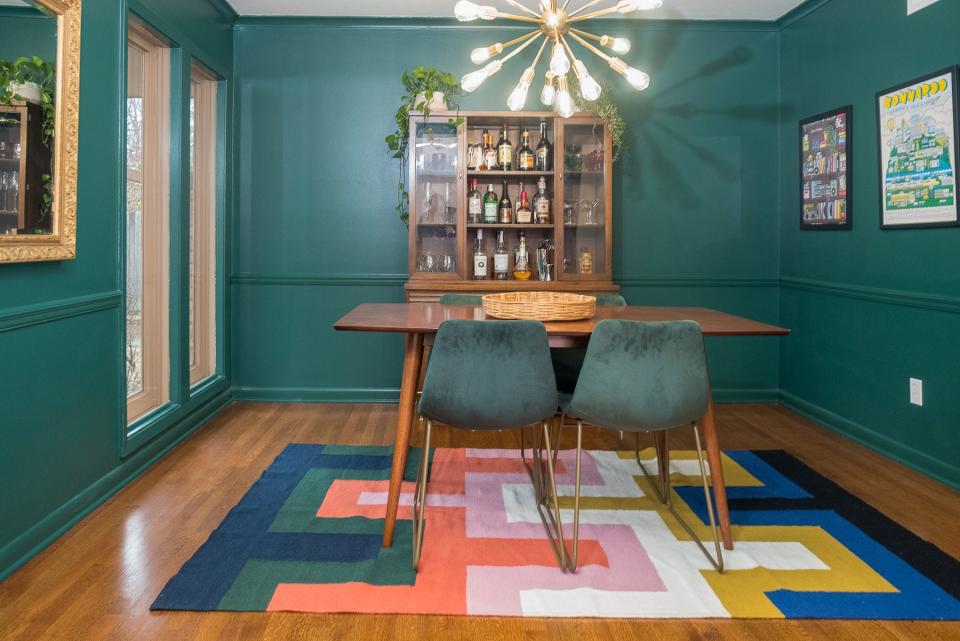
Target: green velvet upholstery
[
  {"x": 489, "y": 375},
  {"x": 460, "y": 299},
  {"x": 640, "y": 377},
  {"x": 611, "y": 300},
  {"x": 568, "y": 361}
]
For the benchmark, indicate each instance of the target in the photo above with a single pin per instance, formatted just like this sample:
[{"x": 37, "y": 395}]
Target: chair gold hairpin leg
[
  {"x": 662, "y": 488},
  {"x": 542, "y": 471},
  {"x": 543, "y": 459},
  {"x": 420, "y": 496}
]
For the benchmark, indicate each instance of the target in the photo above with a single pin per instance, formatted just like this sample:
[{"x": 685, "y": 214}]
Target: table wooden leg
[
  {"x": 412, "y": 356},
  {"x": 716, "y": 472}
]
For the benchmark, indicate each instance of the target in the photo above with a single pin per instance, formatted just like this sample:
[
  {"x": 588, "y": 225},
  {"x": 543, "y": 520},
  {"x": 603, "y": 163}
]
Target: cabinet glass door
[
  {"x": 434, "y": 197},
  {"x": 10, "y": 172},
  {"x": 585, "y": 165}
]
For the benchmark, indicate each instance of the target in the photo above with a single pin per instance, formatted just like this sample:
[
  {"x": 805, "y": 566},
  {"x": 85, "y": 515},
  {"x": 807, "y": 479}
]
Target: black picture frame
[
  {"x": 826, "y": 171},
  {"x": 954, "y": 95}
]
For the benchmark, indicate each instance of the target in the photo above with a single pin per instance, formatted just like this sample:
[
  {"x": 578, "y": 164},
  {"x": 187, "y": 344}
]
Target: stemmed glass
[{"x": 591, "y": 205}]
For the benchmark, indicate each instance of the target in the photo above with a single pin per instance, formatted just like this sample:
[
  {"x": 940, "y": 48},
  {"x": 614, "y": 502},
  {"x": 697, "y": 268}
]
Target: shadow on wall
[{"x": 651, "y": 129}]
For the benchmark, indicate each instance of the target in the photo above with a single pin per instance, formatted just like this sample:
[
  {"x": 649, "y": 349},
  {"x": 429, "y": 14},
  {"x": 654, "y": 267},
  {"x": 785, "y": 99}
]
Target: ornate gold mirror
[{"x": 39, "y": 117}]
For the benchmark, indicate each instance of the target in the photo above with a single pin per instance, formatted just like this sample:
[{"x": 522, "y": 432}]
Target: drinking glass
[
  {"x": 569, "y": 213},
  {"x": 448, "y": 263}
]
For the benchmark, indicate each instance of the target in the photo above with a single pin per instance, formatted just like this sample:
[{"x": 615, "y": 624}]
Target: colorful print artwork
[
  {"x": 826, "y": 168},
  {"x": 918, "y": 152}
]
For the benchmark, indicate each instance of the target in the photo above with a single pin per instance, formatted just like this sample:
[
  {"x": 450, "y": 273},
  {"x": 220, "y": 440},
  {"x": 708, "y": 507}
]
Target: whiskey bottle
[
  {"x": 479, "y": 258},
  {"x": 474, "y": 203},
  {"x": 504, "y": 151},
  {"x": 524, "y": 213},
  {"x": 505, "y": 213},
  {"x": 489, "y": 152},
  {"x": 544, "y": 160},
  {"x": 521, "y": 265},
  {"x": 501, "y": 260},
  {"x": 526, "y": 159},
  {"x": 490, "y": 206},
  {"x": 541, "y": 203}
]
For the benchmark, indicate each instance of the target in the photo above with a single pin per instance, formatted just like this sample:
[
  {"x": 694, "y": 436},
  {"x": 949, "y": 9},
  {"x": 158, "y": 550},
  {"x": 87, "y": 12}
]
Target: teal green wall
[
  {"x": 696, "y": 197},
  {"x": 869, "y": 308},
  {"x": 62, "y": 395},
  {"x": 27, "y": 32}
]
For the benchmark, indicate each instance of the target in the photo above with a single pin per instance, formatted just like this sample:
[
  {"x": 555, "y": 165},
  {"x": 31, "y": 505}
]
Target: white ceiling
[{"x": 672, "y": 9}]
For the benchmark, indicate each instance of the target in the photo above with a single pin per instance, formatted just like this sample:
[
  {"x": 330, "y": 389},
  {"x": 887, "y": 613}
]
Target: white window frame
[{"x": 155, "y": 182}]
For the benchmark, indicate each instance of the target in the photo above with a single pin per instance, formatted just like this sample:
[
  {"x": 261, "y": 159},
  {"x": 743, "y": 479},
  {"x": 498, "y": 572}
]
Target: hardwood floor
[{"x": 97, "y": 581}]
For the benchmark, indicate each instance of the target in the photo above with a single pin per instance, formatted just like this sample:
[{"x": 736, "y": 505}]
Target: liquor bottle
[
  {"x": 479, "y": 258},
  {"x": 501, "y": 260},
  {"x": 490, "y": 206},
  {"x": 524, "y": 213},
  {"x": 505, "y": 213},
  {"x": 504, "y": 151},
  {"x": 544, "y": 160},
  {"x": 521, "y": 265},
  {"x": 474, "y": 203},
  {"x": 541, "y": 203},
  {"x": 526, "y": 159},
  {"x": 489, "y": 152}
]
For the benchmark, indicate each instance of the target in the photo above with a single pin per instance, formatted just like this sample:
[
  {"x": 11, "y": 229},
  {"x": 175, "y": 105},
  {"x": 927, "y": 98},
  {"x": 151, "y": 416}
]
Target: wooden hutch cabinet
[
  {"x": 24, "y": 160},
  {"x": 578, "y": 184}
]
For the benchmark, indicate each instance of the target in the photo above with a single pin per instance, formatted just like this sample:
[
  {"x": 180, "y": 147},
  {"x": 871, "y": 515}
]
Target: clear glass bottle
[
  {"x": 505, "y": 212},
  {"x": 544, "y": 159},
  {"x": 504, "y": 151},
  {"x": 541, "y": 203},
  {"x": 491, "y": 205},
  {"x": 501, "y": 260},
  {"x": 521, "y": 264},
  {"x": 474, "y": 203},
  {"x": 524, "y": 213},
  {"x": 479, "y": 258}
]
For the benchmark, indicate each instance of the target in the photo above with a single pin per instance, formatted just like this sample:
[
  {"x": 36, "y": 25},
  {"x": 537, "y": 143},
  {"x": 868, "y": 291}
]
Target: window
[
  {"x": 148, "y": 188},
  {"x": 203, "y": 214}
]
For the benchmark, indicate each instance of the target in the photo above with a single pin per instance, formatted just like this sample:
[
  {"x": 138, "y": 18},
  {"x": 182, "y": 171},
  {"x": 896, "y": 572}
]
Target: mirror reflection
[{"x": 28, "y": 49}]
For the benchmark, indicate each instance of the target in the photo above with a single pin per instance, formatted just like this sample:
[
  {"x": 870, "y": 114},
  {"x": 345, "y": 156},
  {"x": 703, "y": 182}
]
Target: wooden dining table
[{"x": 418, "y": 322}]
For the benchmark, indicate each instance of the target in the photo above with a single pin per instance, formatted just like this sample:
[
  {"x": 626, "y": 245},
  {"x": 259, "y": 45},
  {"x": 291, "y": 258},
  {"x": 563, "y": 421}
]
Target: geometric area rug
[{"x": 306, "y": 538}]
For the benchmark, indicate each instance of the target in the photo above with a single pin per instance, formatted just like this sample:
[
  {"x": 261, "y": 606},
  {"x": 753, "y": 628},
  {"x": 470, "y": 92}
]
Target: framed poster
[
  {"x": 917, "y": 130},
  {"x": 826, "y": 170}
]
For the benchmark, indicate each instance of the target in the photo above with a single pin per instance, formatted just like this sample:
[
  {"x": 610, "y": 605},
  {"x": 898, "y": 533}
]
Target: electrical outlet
[{"x": 916, "y": 392}]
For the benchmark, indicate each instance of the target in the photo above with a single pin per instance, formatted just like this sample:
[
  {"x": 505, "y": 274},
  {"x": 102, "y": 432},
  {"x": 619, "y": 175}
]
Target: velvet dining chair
[
  {"x": 485, "y": 375},
  {"x": 642, "y": 377},
  {"x": 568, "y": 361}
]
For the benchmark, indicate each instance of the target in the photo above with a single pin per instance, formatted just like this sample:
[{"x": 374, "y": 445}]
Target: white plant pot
[
  {"x": 30, "y": 91},
  {"x": 437, "y": 103}
]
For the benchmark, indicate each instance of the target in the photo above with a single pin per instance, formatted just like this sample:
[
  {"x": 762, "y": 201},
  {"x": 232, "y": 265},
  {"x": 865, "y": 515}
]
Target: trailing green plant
[
  {"x": 25, "y": 70},
  {"x": 605, "y": 108},
  {"x": 46, "y": 200},
  {"x": 420, "y": 85}
]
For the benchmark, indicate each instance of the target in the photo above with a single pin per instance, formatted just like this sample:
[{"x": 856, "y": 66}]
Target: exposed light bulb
[
  {"x": 626, "y": 6},
  {"x": 474, "y": 79},
  {"x": 564, "y": 102},
  {"x": 467, "y": 11},
  {"x": 482, "y": 54},
  {"x": 619, "y": 45},
  {"x": 549, "y": 94},
  {"x": 637, "y": 79},
  {"x": 518, "y": 97},
  {"x": 589, "y": 88},
  {"x": 559, "y": 62}
]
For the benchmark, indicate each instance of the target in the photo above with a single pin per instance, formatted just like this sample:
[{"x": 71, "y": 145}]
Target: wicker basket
[{"x": 541, "y": 306}]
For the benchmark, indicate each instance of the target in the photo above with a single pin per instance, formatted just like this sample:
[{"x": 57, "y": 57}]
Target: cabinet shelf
[
  {"x": 474, "y": 173},
  {"x": 507, "y": 226}
]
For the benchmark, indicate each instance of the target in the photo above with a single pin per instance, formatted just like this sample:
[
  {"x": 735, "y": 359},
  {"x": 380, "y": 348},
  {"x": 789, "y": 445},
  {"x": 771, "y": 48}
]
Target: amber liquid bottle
[
  {"x": 544, "y": 160},
  {"x": 526, "y": 159},
  {"x": 504, "y": 151}
]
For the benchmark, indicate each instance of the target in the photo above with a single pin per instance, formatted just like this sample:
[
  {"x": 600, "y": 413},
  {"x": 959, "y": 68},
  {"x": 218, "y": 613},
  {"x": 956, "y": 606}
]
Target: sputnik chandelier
[{"x": 555, "y": 26}]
